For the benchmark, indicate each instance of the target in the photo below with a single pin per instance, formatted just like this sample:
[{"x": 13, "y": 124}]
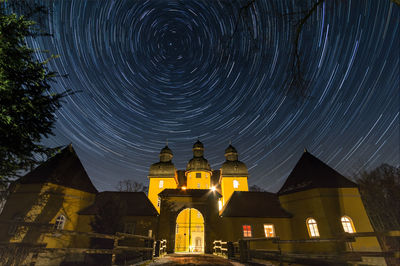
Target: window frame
[
  {"x": 59, "y": 222},
  {"x": 13, "y": 228},
  {"x": 235, "y": 183},
  {"x": 349, "y": 224},
  {"x": 273, "y": 230},
  {"x": 247, "y": 230},
  {"x": 158, "y": 202},
  {"x": 130, "y": 227},
  {"x": 312, "y": 228}
]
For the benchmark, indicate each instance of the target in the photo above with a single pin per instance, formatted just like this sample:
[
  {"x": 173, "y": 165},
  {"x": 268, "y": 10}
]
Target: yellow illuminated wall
[
  {"x": 43, "y": 204},
  {"x": 155, "y": 188},
  {"x": 189, "y": 231},
  {"x": 195, "y": 182},
  {"x": 228, "y": 186}
]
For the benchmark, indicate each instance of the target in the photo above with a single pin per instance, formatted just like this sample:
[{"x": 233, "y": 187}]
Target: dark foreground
[{"x": 192, "y": 259}]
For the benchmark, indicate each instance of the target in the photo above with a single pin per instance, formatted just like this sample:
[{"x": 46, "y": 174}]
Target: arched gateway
[{"x": 189, "y": 232}]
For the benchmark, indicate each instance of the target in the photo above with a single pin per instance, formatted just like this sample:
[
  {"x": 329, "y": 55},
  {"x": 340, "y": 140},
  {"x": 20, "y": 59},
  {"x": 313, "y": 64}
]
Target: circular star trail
[{"x": 150, "y": 71}]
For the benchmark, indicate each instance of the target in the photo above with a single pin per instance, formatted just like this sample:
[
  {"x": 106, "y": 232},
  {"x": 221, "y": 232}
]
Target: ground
[{"x": 194, "y": 259}]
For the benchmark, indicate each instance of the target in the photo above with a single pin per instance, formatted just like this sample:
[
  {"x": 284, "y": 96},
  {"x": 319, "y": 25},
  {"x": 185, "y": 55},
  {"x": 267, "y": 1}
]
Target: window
[
  {"x": 60, "y": 222},
  {"x": 235, "y": 184},
  {"x": 158, "y": 202},
  {"x": 198, "y": 214},
  {"x": 246, "y": 230},
  {"x": 161, "y": 184},
  {"x": 198, "y": 175},
  {"x": 347, "y": 224},
  {"x": 219, "y": 205},
  {"x": 269, "y": 230},
  {"x": 14, "y": 227},
  {"x": 312, "y": 228},
  {"x": 198, "y": 185},
  {"x": 129, "y": 228}
]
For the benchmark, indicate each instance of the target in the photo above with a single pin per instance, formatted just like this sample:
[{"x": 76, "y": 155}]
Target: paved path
[{"x": 192, "y": 259}]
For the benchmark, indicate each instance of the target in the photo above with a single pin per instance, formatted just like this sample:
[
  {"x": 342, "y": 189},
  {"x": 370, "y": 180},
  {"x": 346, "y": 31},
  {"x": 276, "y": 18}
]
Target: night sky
[{"x": 148, "y": 71}]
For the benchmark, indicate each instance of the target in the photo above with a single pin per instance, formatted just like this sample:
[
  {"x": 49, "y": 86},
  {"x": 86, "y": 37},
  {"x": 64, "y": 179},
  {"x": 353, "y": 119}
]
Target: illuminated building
[{"x": 193, "y": 207}]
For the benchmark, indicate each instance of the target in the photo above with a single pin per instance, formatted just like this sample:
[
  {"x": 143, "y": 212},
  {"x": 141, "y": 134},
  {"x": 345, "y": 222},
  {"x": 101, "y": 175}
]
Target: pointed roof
[
  {"x": 254, "y": 204},
  {"x": 133, "y": 203},
  {"x": 63, "y": 169},
  {"x": 310, "y": 172}
]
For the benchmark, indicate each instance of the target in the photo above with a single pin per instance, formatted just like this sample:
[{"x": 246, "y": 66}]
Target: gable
[
  {"x": 310, "y": 172},
  {"x": 64, "y": 169}
]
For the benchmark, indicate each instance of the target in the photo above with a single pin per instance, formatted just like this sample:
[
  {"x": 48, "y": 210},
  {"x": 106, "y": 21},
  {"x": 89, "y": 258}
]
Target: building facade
[{"x": 193, "y": 207}]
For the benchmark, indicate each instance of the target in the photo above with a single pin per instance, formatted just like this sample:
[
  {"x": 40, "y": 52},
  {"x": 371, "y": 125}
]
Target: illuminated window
[
  {"x": 219, "y": 205},
  {"x": 198, "y": 175},
  {"x": 347, "y": 224},
  {"x": 312, "y": 227},
  {"x": 198, "y": 214},
  {"x": 158, "y": 202},
  {"x": 269, "y": 230},
  {"x": 161, "y": 184},
  {"x": 198, "y": 185},
  {"x": 235, "y": 184},
  {"x": 129, "y": 228},
  {"x": 246, "y": 230},
  {"x": 60, "y": 222},
  {"x": 13, "y": 227}
]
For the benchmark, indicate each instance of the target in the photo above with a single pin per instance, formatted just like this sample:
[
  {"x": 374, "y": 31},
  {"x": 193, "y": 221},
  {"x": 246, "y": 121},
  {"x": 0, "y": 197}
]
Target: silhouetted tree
[
  {"x": 296, "y": 83},
  {"x": 127, "y": 185},
  {"x": 256, "y": 188},
  {"x": 27, "y": 104},
  {"x": 380, "y": 191}
]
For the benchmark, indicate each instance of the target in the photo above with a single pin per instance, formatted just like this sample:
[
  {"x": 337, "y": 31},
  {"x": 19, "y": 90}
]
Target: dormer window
[
  {"x": 348, "y": 225},
  {"x": 312, "y": 227},
  {"x": 161, "y": 184},
  {"x": 235, "y": 184}
]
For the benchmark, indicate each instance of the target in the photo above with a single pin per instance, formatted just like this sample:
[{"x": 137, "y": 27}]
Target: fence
[
  {"x": 121, "y": 247},
  {"x": 242, "y": 251}
]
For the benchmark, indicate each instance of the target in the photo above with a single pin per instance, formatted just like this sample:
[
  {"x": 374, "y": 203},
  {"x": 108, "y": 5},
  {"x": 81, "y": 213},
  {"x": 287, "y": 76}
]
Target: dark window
[
  {"x": 198, "y": 175},
  {"x": 130, "y": 228}
]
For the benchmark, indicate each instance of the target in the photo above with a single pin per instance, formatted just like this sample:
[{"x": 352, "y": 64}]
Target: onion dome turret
[
  {"x": 165, "y": 167},
  {"x": 198, "y": 162},
  {"x": 232, "y": 167}
]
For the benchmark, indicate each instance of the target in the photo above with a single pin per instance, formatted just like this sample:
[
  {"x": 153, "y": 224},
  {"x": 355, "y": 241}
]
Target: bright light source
[
  {"x": 183, "y": 188},
  {"x": 213, "y": 188}
]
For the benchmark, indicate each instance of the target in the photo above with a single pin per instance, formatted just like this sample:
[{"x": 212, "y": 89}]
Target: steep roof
[
  {"x": 64, "y": 169},
  {"x": 182, "y": 180},
  {"x": 133, "y": 203},
  {"x": 310, "y": 172},
  {"x": 170, "y": 192},
  {"x": 254, "y": 204}
]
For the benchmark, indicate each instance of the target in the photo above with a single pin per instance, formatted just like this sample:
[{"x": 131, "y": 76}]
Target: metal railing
[
  {"x": 160, "y": 248},
  {"x": 220, "y": 248}
]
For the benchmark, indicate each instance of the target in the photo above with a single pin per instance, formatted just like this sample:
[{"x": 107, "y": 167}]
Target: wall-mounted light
[
  {"x": 183, "y": 188},
  {"x": 213, "y": 188}
]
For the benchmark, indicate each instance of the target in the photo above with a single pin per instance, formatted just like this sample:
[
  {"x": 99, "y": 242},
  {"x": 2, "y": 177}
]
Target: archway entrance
[{"x": 189, "y": 232}]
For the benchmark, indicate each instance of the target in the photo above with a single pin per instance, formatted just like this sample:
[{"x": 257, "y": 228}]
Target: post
[
  {"x": 231, "y": 250},
  {"x": 244, "y": 250},
  {"x": 113, "y": 256},
  {"x": 157, "y": 248}
]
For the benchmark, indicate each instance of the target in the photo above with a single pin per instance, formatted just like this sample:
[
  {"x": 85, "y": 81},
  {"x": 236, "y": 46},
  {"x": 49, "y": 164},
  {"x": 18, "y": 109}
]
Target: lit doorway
[{"x": 189, "y": 232}]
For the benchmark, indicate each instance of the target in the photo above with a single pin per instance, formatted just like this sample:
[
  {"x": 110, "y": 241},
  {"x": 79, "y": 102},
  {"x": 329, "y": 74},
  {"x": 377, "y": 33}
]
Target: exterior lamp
[
  {"x": 213, "y": 188},
  {"x": 183, "y": 188}
]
